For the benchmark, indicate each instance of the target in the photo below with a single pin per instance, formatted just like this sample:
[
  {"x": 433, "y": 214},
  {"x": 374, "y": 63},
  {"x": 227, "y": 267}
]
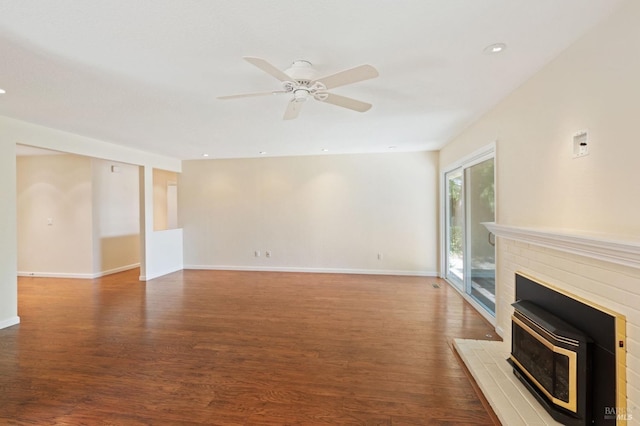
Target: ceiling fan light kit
[
  {"x": 300, "y": 95},
  {"x": 300, "y": 81}
]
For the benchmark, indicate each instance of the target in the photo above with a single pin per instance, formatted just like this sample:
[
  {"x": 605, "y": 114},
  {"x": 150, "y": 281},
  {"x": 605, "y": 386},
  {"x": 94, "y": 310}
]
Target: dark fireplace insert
[
  {"x": 553, "y": 359},
  {"x": 539, "y": 308}
]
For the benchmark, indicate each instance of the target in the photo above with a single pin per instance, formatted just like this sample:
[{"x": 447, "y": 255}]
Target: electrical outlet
[
  {"x": 380, "y": 256},
  {"x": 581, "y": 144},
  {"x": 267, "y": 253},
  {"x": 256, "y": 253}
]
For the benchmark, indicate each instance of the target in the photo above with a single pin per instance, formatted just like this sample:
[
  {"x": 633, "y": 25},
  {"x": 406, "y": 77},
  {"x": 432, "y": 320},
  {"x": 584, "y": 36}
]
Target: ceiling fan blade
[
  {"x": 293, "y": 109},
  {"x": 345, "y": 102},
  {"x": 353, "y": 75},
  {"x": 251, "y": 95},
  {"x": 268, "y": 68}
]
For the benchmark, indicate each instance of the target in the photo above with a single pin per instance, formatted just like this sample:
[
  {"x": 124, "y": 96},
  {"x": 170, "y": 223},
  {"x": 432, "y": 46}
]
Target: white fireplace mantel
[{"x": 602, "y": 247}]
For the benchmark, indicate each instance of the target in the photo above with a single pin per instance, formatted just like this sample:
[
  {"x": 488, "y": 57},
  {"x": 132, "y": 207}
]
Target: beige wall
[
  {"x": 161, "y": 180},
  {"x": 116, "y": 216},
  {"x": 592, "y": 85},
  {"x": 76, "y": 218},
  {"x": 319, "y": 213},
  {"x": 55, "y": 215}
]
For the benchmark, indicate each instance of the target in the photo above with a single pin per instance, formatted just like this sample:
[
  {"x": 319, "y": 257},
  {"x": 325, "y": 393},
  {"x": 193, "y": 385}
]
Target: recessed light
[
  {"x": 263, "y": 152},
  {"x": 325, "y": 150},
  {"x": 205, "y": 155},
  {"x": 2, "y": 91},
  {"x": 495, "y": 48},
  {"x": 392, "y": 147}
]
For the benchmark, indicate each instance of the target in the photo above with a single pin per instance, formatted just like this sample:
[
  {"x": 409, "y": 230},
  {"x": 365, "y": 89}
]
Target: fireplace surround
[
  {"x": 600, "y": 269},
  {"x": 566, "y": 351}
]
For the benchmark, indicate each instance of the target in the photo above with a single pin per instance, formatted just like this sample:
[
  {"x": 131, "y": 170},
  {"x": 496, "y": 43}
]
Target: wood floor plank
[{"x": 232, "y": 347}]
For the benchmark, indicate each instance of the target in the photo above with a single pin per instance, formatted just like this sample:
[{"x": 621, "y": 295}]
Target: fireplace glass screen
[
  {"x": 568, "y": 353},
  {"x": 550, "y": 369}
]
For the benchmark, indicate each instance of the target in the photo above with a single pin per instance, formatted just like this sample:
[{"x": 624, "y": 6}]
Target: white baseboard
[
  {"x": 158, "y": 274},
  {"x": 54, "y": 275},
  {"x": 116, "y": 270},
  {"x": 232, "y": 268},
  {"x": 313, "y": 270},
  {"x": 9, "y": 322},
  {"x": 78, "y": 276}
]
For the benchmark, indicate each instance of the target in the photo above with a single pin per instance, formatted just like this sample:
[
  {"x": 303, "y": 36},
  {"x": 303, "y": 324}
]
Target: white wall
[
  {"x": 163, "y": 250},
  {"x": 8, "y": 235},
  {"x": 320, "y": 213},
  {"x": 15, "y": 131},
  {"x": 593, "y": 85}
]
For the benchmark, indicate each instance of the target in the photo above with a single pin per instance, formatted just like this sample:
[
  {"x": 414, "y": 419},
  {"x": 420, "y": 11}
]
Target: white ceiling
[{"x": 146, "y": 73}]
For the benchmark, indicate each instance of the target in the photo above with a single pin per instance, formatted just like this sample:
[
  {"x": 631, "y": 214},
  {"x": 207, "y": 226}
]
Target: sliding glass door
[{"x": 470, "y": 251}]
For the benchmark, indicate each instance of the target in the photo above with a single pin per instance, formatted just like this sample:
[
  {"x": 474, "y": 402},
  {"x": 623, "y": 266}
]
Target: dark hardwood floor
[{"x": 239, "y": 348}]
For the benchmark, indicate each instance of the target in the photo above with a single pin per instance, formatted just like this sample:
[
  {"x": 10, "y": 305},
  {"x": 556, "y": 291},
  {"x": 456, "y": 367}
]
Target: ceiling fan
[{"x": 300, "y": 81}]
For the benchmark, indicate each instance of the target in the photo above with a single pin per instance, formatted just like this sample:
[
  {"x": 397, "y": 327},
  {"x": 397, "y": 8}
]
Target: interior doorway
[{"x": 78, "y": 216}]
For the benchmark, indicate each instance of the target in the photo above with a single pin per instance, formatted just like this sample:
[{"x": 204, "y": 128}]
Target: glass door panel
[
  {"x": 479, "y": 182},
  {"x": 454, "y": 229}
]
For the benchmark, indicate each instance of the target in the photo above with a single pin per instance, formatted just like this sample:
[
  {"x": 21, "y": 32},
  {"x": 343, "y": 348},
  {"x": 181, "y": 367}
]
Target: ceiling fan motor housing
[{"x": 302, "y": 86}]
